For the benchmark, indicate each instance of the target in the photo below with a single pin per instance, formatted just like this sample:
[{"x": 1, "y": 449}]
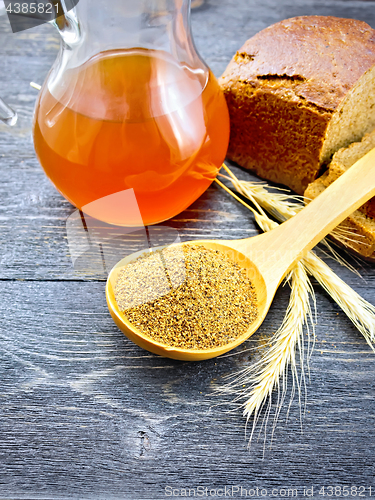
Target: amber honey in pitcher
[{"x": 132, "y": 119}]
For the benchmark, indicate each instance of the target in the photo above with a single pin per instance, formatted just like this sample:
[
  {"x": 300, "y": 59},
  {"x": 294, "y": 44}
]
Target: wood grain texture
[{"x": 85, "y": 414}]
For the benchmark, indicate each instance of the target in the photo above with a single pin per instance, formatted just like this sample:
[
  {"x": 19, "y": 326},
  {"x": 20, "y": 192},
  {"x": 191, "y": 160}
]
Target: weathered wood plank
[{"x": 86, "y": 414}]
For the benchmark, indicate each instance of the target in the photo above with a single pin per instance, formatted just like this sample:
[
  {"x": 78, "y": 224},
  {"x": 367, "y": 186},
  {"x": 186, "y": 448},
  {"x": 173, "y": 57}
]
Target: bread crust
[{"x": 311, "y": 51}]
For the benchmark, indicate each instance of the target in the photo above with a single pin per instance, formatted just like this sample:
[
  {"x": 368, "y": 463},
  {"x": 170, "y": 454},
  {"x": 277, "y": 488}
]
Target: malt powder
[{"x": 188, "y": 297}]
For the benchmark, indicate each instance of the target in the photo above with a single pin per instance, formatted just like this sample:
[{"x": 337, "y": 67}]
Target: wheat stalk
[
  {"x": 276, "y": 203},
  {"x": 358, "y": 310},
  {"x": 281, "y": 205},
  {"x": 271, "y": 372}
]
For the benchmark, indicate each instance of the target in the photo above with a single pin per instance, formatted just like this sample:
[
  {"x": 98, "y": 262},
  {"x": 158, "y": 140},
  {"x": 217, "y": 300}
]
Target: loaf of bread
[
  {"x": 361, "y": 224},
  {"x": 297, "y": 92}
]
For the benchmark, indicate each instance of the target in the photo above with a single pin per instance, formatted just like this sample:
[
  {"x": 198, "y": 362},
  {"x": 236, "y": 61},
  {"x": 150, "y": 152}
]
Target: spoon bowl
[
  {"x": 267, "y": 258},
  {"x": 151, "y": 345}
]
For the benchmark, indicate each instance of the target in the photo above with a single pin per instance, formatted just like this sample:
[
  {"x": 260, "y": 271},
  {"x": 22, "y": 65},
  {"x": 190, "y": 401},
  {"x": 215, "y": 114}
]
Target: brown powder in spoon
[{"x": 188, "y": 297}]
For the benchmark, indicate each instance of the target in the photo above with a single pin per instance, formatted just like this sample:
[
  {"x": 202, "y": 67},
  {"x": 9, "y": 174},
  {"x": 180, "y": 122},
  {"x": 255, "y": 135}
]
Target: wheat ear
[
  {"x": 358, "y": 310},
  {"x": 283, "y": 206},
  {"x": 261, "y": 379},
  {"x": 273, "y": 372}
]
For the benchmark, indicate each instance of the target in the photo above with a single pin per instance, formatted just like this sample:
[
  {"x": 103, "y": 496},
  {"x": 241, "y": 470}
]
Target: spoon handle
[{"x": 276, "y": 252}]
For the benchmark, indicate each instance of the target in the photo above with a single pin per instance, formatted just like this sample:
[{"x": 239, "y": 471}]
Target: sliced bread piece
[
  {"x": 361, "y": 224},
  {"x": 345, "y": 158}
]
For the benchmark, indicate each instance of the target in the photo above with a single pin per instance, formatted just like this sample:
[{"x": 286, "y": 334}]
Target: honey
[{"x": 132, "y": 119}]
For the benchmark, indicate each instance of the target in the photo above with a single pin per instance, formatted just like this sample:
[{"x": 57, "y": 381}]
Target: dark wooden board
[{"x": 85, "y": 414}]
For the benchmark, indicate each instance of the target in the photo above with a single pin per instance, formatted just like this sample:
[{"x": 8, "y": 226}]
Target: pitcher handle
[{"x": 68, "y": 27}]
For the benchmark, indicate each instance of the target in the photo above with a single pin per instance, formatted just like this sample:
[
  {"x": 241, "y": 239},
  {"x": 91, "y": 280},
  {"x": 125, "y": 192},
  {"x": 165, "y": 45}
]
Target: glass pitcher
[{"x": 130, "y": 105}]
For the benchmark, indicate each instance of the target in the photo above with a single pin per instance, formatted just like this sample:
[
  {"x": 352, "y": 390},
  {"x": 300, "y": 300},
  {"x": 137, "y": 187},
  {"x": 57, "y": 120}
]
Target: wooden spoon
[{"x": 269, "y": 256}]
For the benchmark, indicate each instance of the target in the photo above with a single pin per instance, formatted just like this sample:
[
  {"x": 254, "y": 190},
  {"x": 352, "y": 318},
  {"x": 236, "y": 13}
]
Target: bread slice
[
  {"x": 361, "y": 224},
  {"x": 297, "y": 92},
  {"x": 345, "y": 158}
]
